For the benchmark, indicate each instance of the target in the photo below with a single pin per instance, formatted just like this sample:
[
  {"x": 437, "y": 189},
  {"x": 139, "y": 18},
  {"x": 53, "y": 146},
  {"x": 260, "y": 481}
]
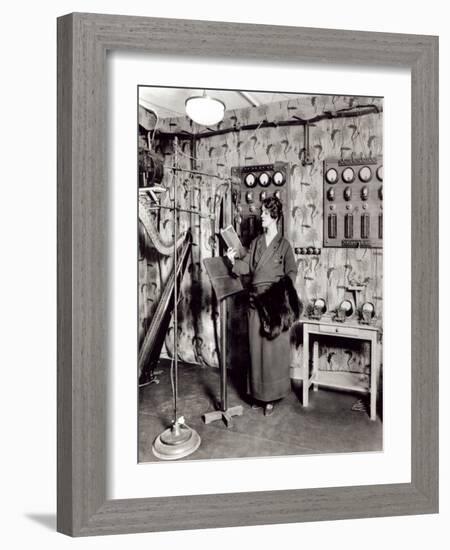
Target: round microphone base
[{"x": 176, "y": 442}]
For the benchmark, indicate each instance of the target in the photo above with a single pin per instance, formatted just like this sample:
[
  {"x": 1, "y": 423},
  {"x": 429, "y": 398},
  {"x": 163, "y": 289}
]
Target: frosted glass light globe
[{"x": 205, "y": 110}]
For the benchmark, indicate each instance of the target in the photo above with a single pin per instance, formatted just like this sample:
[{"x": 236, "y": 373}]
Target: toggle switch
[
  {"x": 332, "y": 226},
  {"x": 365, "y": 226},
  {"x": 348, "y": 226}
]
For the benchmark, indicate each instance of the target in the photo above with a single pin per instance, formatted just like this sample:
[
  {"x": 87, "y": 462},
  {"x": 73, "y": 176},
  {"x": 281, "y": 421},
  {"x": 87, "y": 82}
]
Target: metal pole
[
  {"x": 175, "y": 286},
  {"x": 223, "y": 354},
  {"x": 175, "y": 168}
]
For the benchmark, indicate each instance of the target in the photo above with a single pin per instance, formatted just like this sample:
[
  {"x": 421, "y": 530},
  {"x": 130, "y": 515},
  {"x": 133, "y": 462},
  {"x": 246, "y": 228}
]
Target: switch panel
[
  {"x": 353, "y": 203},
  {"x": 251, "y": 185}
]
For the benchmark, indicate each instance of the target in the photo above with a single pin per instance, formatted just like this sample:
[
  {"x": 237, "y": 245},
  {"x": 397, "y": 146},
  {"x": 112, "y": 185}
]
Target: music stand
[{"x": 224, "y": 285}]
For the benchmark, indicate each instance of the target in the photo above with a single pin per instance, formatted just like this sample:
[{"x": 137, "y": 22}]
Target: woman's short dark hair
[{"x": 274, "y": 206}]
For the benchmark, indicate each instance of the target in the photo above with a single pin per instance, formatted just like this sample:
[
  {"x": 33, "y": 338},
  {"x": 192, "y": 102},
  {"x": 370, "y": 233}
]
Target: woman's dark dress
[{"x": 269, "y": 378}]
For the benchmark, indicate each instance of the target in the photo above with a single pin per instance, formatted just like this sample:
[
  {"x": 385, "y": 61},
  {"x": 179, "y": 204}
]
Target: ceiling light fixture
[{"x": 205, "y": 110}]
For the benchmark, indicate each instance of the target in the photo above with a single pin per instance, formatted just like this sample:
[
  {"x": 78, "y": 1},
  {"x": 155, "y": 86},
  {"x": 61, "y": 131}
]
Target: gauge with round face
[
  {"x": 331, "y": 176},
  {"x": 264, "y": 179},
  {"x": 278, "y": 178},
  {"x": 368, "y": 307},
  {"x": 250, "y": 180},
  {"x": 380, "y": 173},
  {"x": 365, "y": 174},
  {"x": 319, "y": 303},
  {"x": 348, "y": 175}
]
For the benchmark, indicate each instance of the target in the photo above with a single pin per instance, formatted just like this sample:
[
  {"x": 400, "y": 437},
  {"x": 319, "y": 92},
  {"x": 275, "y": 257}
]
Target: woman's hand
[{"x": 231, "y": 254}]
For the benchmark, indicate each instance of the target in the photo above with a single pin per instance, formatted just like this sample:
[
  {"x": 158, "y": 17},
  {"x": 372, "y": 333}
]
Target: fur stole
[{"x": 278, "y": 307}]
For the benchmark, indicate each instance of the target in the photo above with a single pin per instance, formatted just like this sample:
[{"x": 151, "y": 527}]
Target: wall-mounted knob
[{"x": 347, "y": 193}]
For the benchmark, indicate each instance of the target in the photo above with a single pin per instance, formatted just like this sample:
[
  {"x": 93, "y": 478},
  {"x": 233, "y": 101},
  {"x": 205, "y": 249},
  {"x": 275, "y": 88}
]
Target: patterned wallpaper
[{"x": 326, "y": 275}]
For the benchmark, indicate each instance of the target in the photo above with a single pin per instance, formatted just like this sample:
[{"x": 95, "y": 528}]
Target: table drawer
[{"x": 345, "y": 331}]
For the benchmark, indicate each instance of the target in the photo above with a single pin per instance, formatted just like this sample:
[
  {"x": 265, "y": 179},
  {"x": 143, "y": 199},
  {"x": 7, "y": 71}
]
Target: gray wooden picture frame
[{"x": 83, "y": 42}]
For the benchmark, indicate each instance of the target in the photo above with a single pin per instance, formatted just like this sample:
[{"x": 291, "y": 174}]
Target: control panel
[
  {"x": 251, "y": 185},
  {"x": 353, "y": 203}
]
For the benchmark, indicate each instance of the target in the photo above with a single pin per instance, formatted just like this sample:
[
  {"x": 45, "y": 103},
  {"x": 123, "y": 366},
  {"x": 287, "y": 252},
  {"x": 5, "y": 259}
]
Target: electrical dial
[
  {"x": 331, "y": 176},
  {"x": 365, "y": 174},
  {"x": 264, "y": 179},
  {"x": 250, "y": 180},
  {"x": 278, "y": 178},
  {"x": 380, "y": 173},
  {"x": 348, "y": 175}
]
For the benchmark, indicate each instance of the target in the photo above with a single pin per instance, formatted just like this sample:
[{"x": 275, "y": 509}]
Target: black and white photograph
[
  {"x": 220, "y": 329},
  {"x": 260, "y": 273}
]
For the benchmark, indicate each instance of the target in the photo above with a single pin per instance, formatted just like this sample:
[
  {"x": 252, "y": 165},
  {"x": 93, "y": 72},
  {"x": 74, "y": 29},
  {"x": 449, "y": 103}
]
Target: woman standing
[{"x": 269, "y": 260}]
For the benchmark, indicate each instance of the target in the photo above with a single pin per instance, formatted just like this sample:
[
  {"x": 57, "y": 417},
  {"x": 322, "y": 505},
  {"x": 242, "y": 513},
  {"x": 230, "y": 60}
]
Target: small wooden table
[{"x": 342, "y": 380}]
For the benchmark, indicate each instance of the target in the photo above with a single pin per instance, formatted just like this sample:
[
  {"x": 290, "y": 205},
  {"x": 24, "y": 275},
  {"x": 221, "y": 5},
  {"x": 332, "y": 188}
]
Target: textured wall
[{"x": 326, "y": 275}]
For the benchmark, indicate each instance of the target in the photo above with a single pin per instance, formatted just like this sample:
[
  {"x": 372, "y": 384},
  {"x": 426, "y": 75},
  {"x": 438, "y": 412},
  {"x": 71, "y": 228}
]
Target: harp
[{"x": 150, "y": 349}]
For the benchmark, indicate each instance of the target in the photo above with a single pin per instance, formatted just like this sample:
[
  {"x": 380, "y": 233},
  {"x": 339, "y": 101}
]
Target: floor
[{"x": 334, "y": 422}]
